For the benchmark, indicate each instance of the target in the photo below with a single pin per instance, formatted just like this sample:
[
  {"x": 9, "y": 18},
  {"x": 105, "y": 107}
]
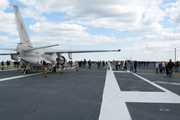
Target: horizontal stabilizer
[
  {"x": 34, "y": 48},
  {"x": 10, "y": 49},
  {"x": 78, "y": 51}
]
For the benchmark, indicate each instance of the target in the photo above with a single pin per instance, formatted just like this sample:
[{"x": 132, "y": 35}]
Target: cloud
[
  {"x": 72, "y": 34},
  {"x": 7, "y": 41},
  {"x": 125, "y": 16},
  {"x": 7, "y": 22},
  {"x": 4, "y": 4},
  {"x": 137, "y": 16},
  {"x": 30, "y": 13},
  {"x": 48, "y": 6}
]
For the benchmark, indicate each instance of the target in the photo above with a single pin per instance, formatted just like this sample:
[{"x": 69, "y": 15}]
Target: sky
[{"x": 145, "y": 30}]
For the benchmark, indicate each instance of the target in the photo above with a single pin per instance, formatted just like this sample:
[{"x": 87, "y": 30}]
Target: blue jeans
[
  {"x": 135, "y": 69},
  {"x": 84, "y": 66},
  {"x": 156, "y": 70},
  {"x": 131, "y": 68},
  {"x": 170, "y": 72},
  {"x": 176, "y": 69}
]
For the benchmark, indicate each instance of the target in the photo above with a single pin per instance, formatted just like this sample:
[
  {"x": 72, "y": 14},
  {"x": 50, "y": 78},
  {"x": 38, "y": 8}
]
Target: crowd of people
[
  {"x": 16, "y": 64},
  {"x": 168, "y": 67}
]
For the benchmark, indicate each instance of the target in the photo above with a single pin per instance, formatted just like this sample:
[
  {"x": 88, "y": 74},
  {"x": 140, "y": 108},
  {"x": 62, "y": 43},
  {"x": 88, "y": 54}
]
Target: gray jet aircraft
[{"x": 39, "y": 56}]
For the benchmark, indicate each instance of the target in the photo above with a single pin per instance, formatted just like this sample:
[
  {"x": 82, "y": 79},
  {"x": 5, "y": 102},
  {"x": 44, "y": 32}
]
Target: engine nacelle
[
  {"x": 33, "y": 61},
  {"x": 14, "y": 57},
  {"x": 61, "y": 60}
]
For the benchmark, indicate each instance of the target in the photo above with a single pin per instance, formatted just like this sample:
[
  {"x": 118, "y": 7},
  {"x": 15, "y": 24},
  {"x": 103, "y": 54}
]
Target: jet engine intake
[{"x": 61, "y": 60}]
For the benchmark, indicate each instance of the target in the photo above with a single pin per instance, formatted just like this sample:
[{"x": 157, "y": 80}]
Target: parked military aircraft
[{"x": 38, "y": 56}]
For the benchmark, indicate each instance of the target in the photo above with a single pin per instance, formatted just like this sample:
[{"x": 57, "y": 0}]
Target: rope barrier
[{"x": 13, "y": 67}]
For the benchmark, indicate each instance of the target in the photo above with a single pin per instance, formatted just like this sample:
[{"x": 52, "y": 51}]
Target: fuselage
[{"x": 35, "y": 57}]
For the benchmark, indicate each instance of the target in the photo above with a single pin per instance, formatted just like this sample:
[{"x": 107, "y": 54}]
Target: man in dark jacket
[
  {"x": 176, "y": 67},
  {"x": 89, "y": 63},
  {"x": 2, "y": 64},
  {"x": 135, "y": 66},
  {"x": 170, "y": 67},
  {"x": 84, "y": 64}
]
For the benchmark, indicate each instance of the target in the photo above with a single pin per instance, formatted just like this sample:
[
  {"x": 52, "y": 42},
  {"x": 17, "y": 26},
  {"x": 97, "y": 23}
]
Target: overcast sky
[{"x": 142, "y": 29}]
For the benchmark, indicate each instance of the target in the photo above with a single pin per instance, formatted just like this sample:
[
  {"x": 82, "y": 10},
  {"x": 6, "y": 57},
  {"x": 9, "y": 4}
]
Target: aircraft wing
[
  {"x": 11, "y": 49},
  {"x": 29, "y": 49},
  {"x": 8, "y": 53},
  {"x": 78, "y": 51}
]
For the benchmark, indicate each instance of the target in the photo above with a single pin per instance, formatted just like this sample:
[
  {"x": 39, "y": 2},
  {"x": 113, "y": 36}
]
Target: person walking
[
  {"x": 113, "y": 64},
  {"x": 157, "y": 67},
  {"x": 135, "y": 66},
  {"x": 170, "y": 67},
  {"x": 176, "y": 67},
  {"x": 2, "y": 64},
  {"x": 125, "y": 64},
  {"x": 131, "y": 66},
  {"x": 84, "y": 64},
  {"x": 89, "y": 63},
  {"x": 103, "y": 65},
  {"x": 160, "y": 67},
  {"x": 108, "y": 65},
  {"x": 121, "y": 64},
  {"x": 163, "y": 66},
  {"x": 116, "y": 64},
  {"x": 167, "y": 71}
]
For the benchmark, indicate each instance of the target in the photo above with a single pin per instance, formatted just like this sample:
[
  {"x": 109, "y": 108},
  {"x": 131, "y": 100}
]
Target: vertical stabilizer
[{"x": 23, "y": 35}]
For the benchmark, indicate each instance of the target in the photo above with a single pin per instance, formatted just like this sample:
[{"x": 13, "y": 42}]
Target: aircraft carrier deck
[{"x": 91, "y": 94}]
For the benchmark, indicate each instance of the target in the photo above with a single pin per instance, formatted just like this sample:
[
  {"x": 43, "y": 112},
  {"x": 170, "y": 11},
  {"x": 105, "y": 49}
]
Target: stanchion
[
  {"x": 61, "y": 69},
  {"x": 45, "y": 73}
]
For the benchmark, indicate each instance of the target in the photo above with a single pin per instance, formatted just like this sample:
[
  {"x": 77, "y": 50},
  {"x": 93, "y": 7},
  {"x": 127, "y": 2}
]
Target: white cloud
[
  {"x": 30, "y": 13},
  {"x": 124, "y": 16},
  {"x": 49, "y": 6},
  {"x": 4, "y": 4},
  {"x": 72, "y": 34},
  {"x": 7, "y": 41},
  {"x": 173, "y": 10},
  {"x": 7, "y": 22}
]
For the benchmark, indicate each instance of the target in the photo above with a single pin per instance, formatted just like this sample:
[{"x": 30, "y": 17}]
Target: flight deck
[{"x": 91, "y": 94}]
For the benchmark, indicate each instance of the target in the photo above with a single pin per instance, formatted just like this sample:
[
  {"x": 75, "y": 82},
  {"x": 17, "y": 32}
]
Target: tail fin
[{"x": 23, "y": 35}]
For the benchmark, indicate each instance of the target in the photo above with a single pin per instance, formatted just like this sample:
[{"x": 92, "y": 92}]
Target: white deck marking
[
  {"x": 122, "y": 71},
  {"x": 156, "y": 85},
  {"x": 170, "y": 83},
  {"x": 15, "y": 77},
  {"x": 114, "y": 100},
  {"x": 113, "y": 106}
]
